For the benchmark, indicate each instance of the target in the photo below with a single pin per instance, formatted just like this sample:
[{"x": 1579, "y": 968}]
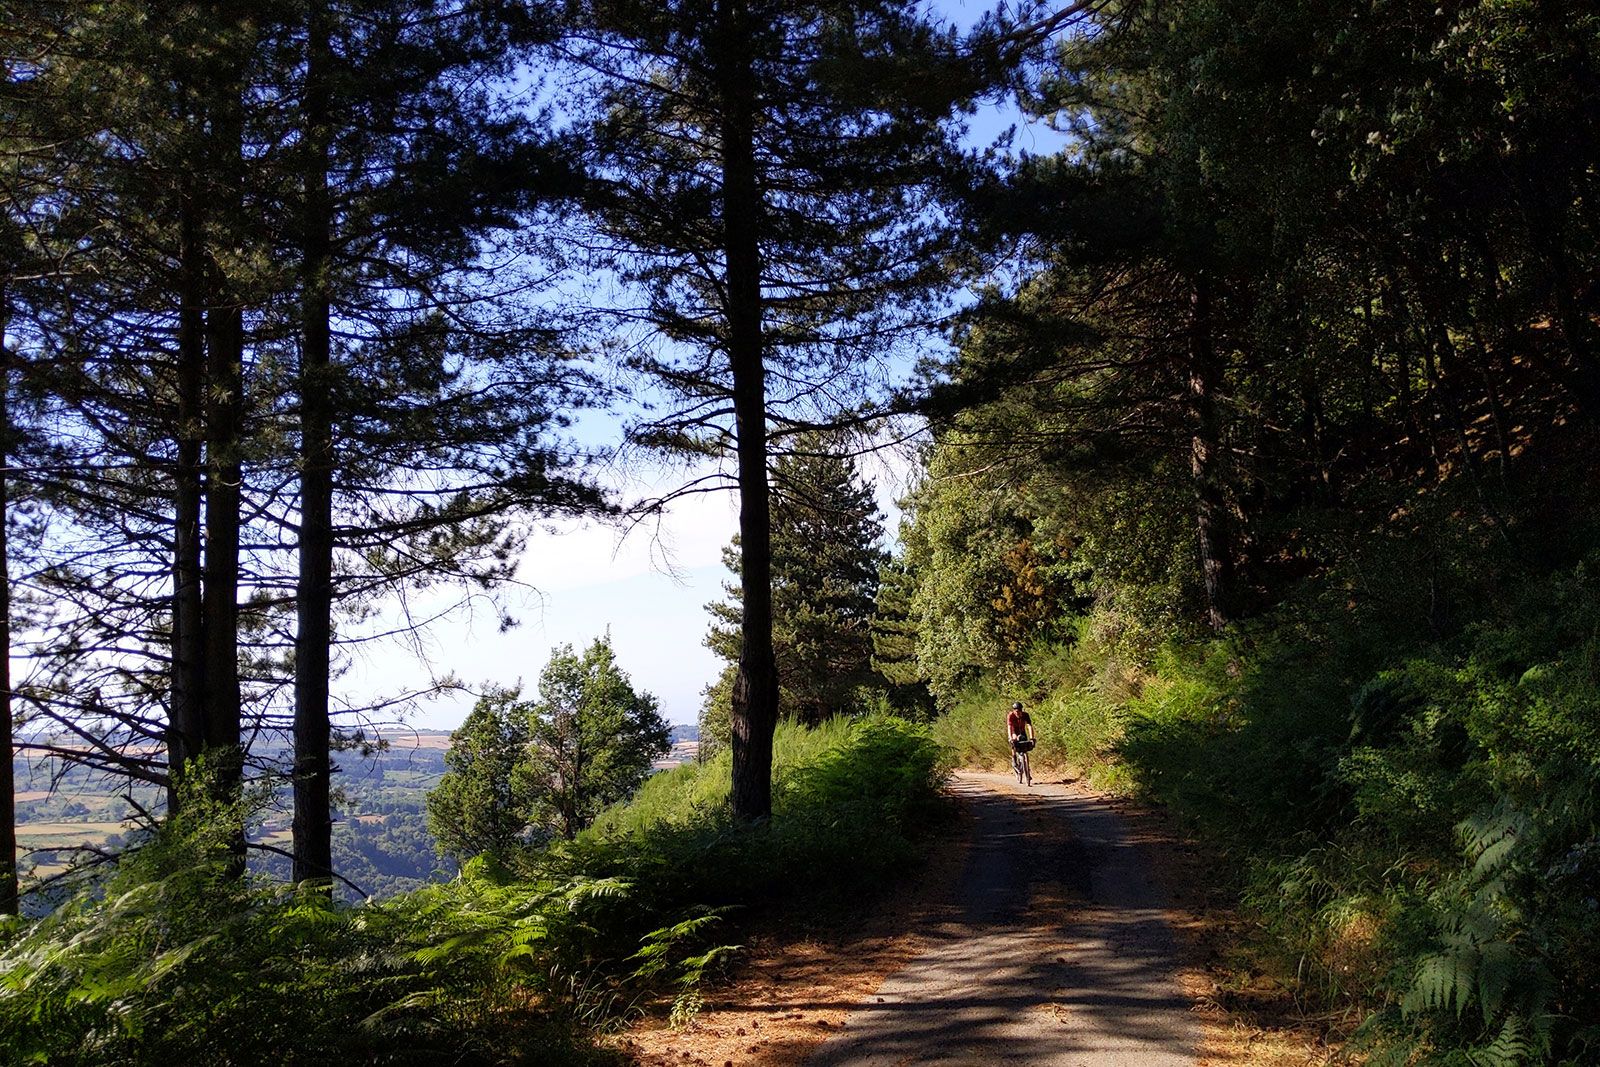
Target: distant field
[
  {"x": 54, "y": 835},
  {"x": 437, "y": 740},
  {"x": 47, "y": 834},
  {"x": 385, "y": 844},
  {"x": 682, "y": 752}
]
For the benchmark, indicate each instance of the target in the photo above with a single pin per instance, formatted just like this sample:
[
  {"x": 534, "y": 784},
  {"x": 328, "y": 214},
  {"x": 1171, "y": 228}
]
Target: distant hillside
[{"x": 381, "y": 841}]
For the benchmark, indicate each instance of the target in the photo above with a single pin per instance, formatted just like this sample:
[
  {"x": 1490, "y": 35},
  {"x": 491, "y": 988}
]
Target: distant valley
[{"x": 381, "y": 842}]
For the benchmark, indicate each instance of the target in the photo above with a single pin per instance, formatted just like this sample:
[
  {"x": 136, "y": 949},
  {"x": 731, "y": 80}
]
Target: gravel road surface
[{"x": 1058, "y": 954}]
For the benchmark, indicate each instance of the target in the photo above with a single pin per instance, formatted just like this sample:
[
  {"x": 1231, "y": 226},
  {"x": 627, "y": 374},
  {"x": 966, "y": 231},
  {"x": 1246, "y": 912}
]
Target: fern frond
[
  {"x": 582, "y": 890},
  {"x": 422, "y": 998},
  {"x": 1444, "y": 980},
  {"x": 695, "y": 967},
  {"x": 1490, "y": 837},
  {"x": 1512, "y": 1047},
  {"x": 1499, "y": 966}
]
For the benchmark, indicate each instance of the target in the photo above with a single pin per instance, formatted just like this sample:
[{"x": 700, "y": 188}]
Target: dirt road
[{"x": 1058, "y": 956}]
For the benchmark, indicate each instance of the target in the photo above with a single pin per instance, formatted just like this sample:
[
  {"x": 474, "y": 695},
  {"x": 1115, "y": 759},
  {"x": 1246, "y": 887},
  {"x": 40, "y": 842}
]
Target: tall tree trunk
[
  {"x": 1205, "y": 446},
  {"x": 224, "y": 481},
  {"x": 313, "y": 764},
  {"x": 186, "y": 733},
  {"x": 220, "y": 600},
  {"x": 755, "y": 687},
  {"x": 8, "y": 806}
]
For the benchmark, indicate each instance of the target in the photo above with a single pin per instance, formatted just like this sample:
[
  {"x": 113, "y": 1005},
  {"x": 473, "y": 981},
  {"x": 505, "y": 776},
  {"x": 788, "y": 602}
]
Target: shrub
[
  {"x": 1415, "y": 823},
  {"x": 848, "y": 796}
]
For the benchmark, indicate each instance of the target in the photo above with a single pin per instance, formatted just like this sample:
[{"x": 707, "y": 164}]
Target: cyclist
[{"x": 1019, "y": 735}]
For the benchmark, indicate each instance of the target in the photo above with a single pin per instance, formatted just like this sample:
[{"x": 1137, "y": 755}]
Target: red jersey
[{"x": 1017, "y": 723}]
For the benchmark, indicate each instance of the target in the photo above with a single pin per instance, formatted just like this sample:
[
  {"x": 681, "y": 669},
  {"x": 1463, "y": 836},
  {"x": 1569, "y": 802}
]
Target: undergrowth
[
  {"x": 848, "y": 799},
  {"x": 170, "y": 961}
]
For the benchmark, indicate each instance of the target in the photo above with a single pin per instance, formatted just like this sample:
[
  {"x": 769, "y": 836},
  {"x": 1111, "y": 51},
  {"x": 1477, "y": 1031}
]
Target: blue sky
[{"x": 647, "y": 588}]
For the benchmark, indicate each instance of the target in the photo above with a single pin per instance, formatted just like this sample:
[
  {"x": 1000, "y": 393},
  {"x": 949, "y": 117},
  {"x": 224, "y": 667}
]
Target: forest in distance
[{"x": 1254, "y": 428}]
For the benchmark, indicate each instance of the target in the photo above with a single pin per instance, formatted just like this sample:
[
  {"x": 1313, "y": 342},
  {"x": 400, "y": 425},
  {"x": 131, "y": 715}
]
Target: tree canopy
[
  {"x": 592, "y": 738},
  {"x": 477, "y": 808}
]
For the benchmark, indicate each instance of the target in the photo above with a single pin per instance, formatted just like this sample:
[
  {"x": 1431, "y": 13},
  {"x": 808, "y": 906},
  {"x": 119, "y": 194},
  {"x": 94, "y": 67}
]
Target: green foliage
[
  {"x": 592, "y": 738},
  {"x": 520, "y": 770},
  {"x": 1421, "y": 838},
  {"x": 1076, "y": 692},
  {"x": 476, "y": 807},
  {"x": 176, "y": 962},
  {"x": 849, "y": 797},
  {"x": 825, "y": 565},
  {"x": 894, "y": 643},
  {"x": 172, "y": 961},
  {"x": 985, "y": 586},
  {"x": 716, "y": 713}
]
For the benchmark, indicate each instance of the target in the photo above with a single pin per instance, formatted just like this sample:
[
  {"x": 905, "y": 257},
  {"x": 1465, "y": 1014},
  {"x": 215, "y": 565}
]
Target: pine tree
[
  {"x": 156, "y": 280},
  {"x": 894, "y": 641},
  {"x": 291, "y": 364},
  {"x": 826, "y": 557},
  {"x": 435, "y": 399},
  {"x": 763, "y": 178}
]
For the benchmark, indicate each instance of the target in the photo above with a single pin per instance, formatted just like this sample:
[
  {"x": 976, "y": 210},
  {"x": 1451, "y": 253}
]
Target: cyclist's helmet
[{"x": 1016, "y": 705}]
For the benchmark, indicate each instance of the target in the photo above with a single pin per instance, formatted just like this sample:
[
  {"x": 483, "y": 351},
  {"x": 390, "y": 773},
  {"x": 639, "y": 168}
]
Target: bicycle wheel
[{"x": 1027, "y": 769}]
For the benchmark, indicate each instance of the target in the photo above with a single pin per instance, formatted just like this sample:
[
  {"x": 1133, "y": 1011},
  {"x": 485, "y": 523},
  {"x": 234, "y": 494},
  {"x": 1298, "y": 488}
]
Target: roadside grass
[{"x": 849, "y": 800}]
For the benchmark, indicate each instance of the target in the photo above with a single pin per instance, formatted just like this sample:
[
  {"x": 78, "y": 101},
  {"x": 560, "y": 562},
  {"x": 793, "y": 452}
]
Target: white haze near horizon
[{"x": 578, "y": 580}]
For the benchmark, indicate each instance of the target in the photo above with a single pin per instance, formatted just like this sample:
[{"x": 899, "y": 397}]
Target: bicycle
[{"x": 1019, "y": 760}]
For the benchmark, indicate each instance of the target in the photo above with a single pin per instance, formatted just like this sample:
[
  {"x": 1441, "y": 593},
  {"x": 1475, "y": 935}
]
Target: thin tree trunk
[
  {"x": 186, "y": 733},
  {"x": 313, "y": 764},
  {"x": 8, "y": 807},
  {"x": 1211, "y": 507},
  {"x": 755, "y": 688}
]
